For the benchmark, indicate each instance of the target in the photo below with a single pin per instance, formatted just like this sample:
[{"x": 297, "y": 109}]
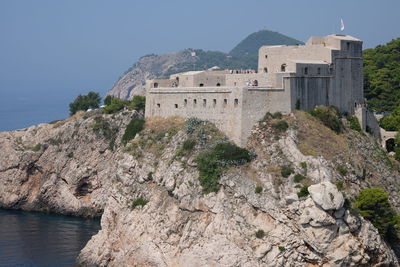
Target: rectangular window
[
  {"x": 305, "y": 70},
  {"x": 225, "y": 102},
  {"x": 158, "y": 105},
  {"x": 214, "y": 102},
  {"x": 185, "y": 102},
  {"x": 204, "y": 102},
  {"x": 176, "y": 105},
  {"x": 319, "y": 71},
  {"x": 236, "y": 102},
  {"x": 194, "y": 102}
]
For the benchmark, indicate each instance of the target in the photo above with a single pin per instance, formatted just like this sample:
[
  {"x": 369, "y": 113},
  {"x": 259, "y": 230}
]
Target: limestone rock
[{"x": 326, "y": 195}]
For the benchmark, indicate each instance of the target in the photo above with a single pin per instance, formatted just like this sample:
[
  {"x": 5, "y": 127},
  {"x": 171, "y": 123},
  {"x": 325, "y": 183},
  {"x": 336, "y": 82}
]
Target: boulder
[{"x": 326, "y": 195}]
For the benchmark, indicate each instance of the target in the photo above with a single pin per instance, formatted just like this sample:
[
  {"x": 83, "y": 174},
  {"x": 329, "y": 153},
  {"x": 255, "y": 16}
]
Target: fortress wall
[
  {"x": 310, "y": 91},
  {"x": 278, "y": 55},
  {"x": 264, "y": 79},
  {"x": 207, "y": 79},
  {"x": 206, "y": 104}
]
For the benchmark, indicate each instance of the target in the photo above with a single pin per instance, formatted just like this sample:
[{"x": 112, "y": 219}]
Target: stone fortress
[{"x": 325, "y": 71}]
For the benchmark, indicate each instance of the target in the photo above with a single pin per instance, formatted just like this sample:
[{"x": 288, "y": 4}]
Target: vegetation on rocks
[
  {"x": 213, "y": 162},
  {"x": 138, "y": 202},
  {"x": 354, "y": 123},
  {"x": 303, "y": 191},
  {"x": 329, "y": 116},
  {"x": 286, "y": 171},
  {"x": 36, "y": 148},
  {"x": 373, "y": 204},
  {"x": 260, "y": 234},
  {"x": 105, "y": 128},
  {"x": 134, "y": 127},
  {"x": 84, "y": 102},
  {"x": 258, "y": 189}
]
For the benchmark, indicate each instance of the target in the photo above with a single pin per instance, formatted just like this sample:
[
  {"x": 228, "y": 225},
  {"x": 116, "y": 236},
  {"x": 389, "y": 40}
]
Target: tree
[
  {"x": 373, "y": 205},
  {"x": 391, "y": 122},
  {"x": 84, "y": 102},
  {"x": 138, "y": 102}
]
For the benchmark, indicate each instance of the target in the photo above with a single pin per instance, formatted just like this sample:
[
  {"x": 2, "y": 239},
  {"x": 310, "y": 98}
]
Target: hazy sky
[{"x": 83, "y": 45}]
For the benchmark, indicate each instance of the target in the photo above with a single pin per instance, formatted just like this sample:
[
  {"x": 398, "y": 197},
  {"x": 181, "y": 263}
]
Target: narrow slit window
[
  {"x": 176, "y": 105},
  {"x": 185, "y": 102},
  {"x": 305, "y": 70},
  {"x": 225, "y": 102},
  {"x": 236, "y": 102},
  {"x": 158, "y": 105},
  {"x": 194, "y": 102},
  {"x": 319, "y": 71},
  {"x": 214, "y": 102},
  {"x": 204, "y": 102}
]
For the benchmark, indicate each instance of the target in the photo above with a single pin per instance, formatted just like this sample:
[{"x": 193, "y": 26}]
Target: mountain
[
  {"x": 150, "y": 193},
  {"x": 152, "y": 66},
  {"x": 254, "y": 41}
]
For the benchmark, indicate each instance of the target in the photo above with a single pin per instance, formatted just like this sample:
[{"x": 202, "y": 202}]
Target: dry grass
[
  {"x": 315, "y": 139},
  {"x": 158, "y": 125}
]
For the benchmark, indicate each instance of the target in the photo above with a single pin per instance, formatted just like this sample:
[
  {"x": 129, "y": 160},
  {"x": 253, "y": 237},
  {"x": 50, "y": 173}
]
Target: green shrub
[
  {"x": 138, "y": 202},
  {"x": 260, "y": 234},
  {"x": 281, "y": 248},
  {"x": 280, "y": 125},
  {"x": 138, "y": 102},
  {"x": 107, "y": 100},
  {"x": 397, "y": 153},
  {"x": 102, "y": 127},
  {"x": 259, "y": 189},
  {"x": 36, "y": 148},
  {"x": 189, "y": 144},
  {"x": 354, "y": 123},
  {"x": 116, "y": 105},
  {"x": 84, "y": 102},
  {"x": 373, "y": 205},
  {"x": 341, "y": 170},
  {"x": 297, "y": 104},
  {"x": 329, "y": 116},
  {"x": 211, "y": 163},
  {"x": 134, "y": 127},
  {"x": 298, "y": 178},
  {"x": 277, "y": 115},
  {"x": 286, "y": 171},
  {"x": 303, "y": 164},
  {"x": 339, "y": 185},
  {"x": 303, "y": 191}
]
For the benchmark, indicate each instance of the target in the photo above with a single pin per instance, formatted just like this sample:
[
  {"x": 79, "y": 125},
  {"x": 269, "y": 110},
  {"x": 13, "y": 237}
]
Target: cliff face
[
  {"x": 148, "y": 67},
  {"x": 181, "y": 226}
]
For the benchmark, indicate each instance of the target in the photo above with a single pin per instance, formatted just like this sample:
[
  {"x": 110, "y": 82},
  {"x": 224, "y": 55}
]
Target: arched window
[
  {"x": 218, "y": 84},
  {"x": 283, "y": 67},
  {"x": 155, "y": 85}
]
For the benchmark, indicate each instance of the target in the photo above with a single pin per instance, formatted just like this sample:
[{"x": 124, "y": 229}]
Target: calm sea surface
[{"x": 37, "y": 239}]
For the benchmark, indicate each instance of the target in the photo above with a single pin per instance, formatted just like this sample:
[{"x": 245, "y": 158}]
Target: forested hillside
[{"x": 382, "y": 76}]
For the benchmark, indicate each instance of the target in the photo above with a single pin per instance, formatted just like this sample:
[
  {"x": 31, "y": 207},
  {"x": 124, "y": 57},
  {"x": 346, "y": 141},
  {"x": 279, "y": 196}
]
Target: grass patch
[
  {"x": 260, "y": 234},
  {"x": 341, "y": 170},
  {"x": 36, "y": 148},
  {"x": 280, "y": 125},
  {"x": 138, "y": 202},
  {"x": 281, "y": 248},
  {"x": 354, "y": 123},
  {"x": 303, "y": 164},
  {"x": 339, "y": 185},
  {"x": 213, "y": 162}
]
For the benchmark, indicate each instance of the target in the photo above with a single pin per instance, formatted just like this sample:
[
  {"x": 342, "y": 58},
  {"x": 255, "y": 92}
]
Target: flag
[{"x": 341, "y": 25}]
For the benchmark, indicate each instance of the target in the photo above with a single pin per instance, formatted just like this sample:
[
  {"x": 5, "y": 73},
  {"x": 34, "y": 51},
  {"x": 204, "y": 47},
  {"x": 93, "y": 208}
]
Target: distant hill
[
  {"x": 382, "y": 76},
  {"x": 254, "y": 41},
  {"x": 152, "y": 66}
]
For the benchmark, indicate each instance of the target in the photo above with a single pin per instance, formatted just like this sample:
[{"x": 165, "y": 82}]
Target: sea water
[{"x": 38, "y": 239}]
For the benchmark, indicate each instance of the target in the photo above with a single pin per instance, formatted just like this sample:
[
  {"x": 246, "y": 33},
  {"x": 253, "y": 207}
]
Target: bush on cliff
[
  {"x": 84, "y": 102},
  {"x": 134, "y": 127},
  {"x": 138, "y": 102},
  {"x": 116, "y": 104},
  {"x": 212, "y": 163},
  {"x": 329, "y": 116},
  {"x": 373, "y": 205}
]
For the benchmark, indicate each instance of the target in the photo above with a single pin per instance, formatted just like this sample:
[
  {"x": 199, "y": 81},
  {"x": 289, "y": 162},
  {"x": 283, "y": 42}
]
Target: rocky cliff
[{"x": 154, "y": 212}]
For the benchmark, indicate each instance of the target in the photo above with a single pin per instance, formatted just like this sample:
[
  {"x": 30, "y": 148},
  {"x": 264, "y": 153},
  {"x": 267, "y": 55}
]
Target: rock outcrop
[{"x": 81, "y": 169}]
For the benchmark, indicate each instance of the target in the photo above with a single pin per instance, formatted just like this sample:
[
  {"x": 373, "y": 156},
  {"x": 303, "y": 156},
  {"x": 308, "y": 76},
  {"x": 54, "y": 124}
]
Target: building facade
[{"x": 326, "y": 71}]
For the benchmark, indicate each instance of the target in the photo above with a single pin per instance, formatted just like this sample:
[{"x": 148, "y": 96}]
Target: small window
[
  {"x": 185, "y": 102},
  {"x": 201, "y": 85},
  {"x": 218, "y": 84},
  {"x": 194, "y": 102},
  {"x": 234, "y": 83},
  {"x": 266, "y": 56},
  {"x": 204, "y": 102},
  {"x": 283, "y": 67},
  {"x": 348, "y": 45},
  {"x": 225, "y": 102},
  {"x": 305, "y": 70},
  {"x": 236, "y": 102},
  {"x": 319, "y": 71},
  {"x": 155, "y": 85},
  {"x": 158, "y": 105},
  {"x": 176, "y": 105},
  {"x": 266, "y": 70},
  {"x": 214, "y": 102}
]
